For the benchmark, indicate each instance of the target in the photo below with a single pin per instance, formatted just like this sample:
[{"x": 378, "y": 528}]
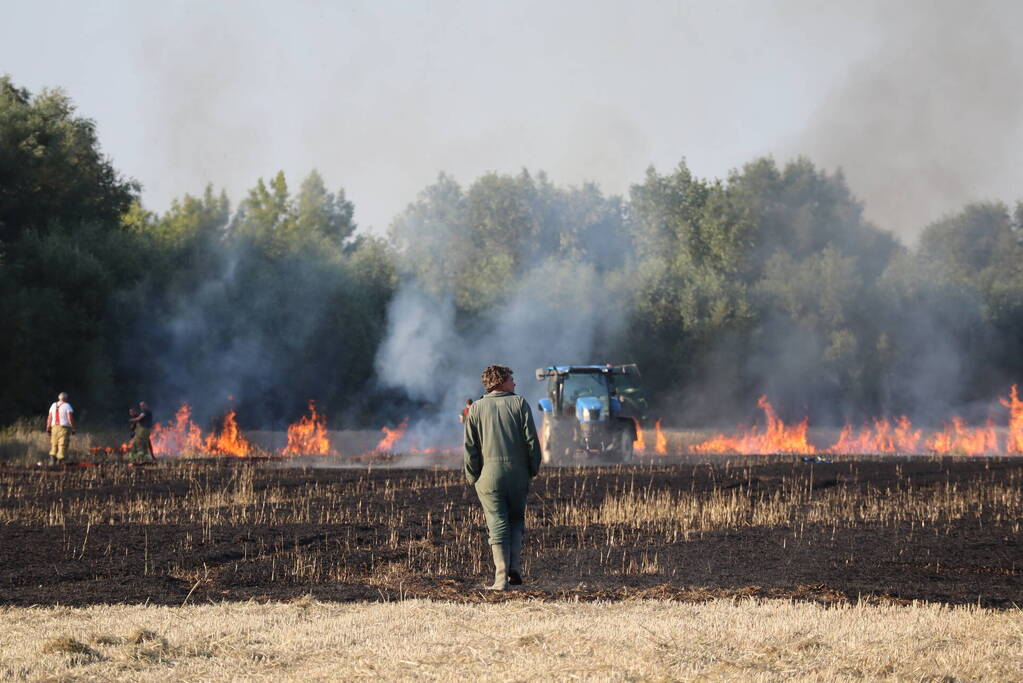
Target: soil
[{"x": 975, "y": 560}]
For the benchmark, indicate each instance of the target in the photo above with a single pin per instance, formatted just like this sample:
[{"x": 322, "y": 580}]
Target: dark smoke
[{"x": 932, "y": 119}]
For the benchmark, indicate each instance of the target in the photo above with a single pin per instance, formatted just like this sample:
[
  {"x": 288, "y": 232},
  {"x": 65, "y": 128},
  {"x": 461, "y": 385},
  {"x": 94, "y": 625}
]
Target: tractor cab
[{"x": 590, "y": 410}]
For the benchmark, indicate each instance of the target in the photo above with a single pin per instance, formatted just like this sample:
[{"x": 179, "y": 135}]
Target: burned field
[{"x": 879, "y": 529}]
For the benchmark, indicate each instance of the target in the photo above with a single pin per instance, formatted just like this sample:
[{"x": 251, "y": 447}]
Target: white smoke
[
  {"x": 415, "y": 353},
  {"x": 560, "y": 312}
]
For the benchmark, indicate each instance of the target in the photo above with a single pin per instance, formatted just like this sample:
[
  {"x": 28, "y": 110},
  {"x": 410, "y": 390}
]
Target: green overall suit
[{"x": 502, "y": 453}]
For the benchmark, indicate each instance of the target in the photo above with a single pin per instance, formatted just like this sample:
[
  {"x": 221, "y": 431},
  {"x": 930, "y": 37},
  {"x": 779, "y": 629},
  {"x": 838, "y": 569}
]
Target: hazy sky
[{"x": 919, "y": 102}]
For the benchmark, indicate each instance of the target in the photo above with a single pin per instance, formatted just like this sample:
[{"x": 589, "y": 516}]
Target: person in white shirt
[{"x": 60, "y": 423}]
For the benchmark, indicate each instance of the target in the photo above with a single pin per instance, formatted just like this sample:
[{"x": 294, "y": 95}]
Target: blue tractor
[{"x": 590, "y": 411}]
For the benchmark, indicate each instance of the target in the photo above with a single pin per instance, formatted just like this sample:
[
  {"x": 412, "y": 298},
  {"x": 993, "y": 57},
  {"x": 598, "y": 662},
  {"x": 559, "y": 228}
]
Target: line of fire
[{"x": 309, "y": 436}]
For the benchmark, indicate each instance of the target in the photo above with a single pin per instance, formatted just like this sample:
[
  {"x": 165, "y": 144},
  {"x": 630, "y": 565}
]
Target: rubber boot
[
  {"x": 501, "y": 553},
  {"x": 515, "y": 559}
]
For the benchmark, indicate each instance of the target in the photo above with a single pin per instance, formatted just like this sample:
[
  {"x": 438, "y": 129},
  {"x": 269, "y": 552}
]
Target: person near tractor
[
  {"x": 60, "y": 423},
  {"x": 465, "y": 411},
  {"x": 142, "y": 427},
  {"x": 132, "y": 414},
  {"x": 502, "y": 453}
]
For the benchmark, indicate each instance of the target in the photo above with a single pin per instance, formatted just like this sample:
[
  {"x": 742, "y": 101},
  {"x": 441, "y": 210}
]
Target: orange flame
[
  {"x": 110, "y": 450},
  {"x": 391, "y": 437},
  {"x": 1014, "y": 443},
  {"x": 639, "y": 445},
  {"x": 178, "y": 437},
  {"x": 308, "y": 436},
  {"x": 776, "y": 437},
  {"x": 230, "y": 440},
  {"x": 958, "y": 438},
  {"x": 881, "y": 438},
  {"x": 907, "y": 439},
  {"x": 661, "y": 442}
]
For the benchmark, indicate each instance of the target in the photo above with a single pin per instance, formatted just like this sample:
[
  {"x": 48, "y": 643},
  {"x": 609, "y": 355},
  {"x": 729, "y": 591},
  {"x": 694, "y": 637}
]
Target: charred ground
[{"x": 889, "y": 529}]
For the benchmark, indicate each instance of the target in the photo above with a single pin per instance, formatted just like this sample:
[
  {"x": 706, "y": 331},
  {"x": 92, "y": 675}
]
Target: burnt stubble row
[{"x": 871, "y": 529}]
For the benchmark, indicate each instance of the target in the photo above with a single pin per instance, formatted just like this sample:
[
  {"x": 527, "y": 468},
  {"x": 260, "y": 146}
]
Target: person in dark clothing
[
  {"x": 502, "y": 453},
  {"x": 132, "y": 414},
  {"x": 142, "y": 425}
]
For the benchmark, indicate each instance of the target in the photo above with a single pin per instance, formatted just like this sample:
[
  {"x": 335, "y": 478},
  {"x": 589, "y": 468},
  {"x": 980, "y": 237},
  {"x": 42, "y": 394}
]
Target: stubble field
[
  {"x": 889, "y": 530},
  {"x": 729, "y": 567}
]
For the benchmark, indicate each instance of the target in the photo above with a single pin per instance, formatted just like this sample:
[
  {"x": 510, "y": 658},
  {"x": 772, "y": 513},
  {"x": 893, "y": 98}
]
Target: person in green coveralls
[{"x": 502, "y": 453}]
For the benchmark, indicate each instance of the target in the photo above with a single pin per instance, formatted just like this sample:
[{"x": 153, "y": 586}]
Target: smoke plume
[
  {"x": 557, "y": 309},
  {"x": 932, "y": 119}
]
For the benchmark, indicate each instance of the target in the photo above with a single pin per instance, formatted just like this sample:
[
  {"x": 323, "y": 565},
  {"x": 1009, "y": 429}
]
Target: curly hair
[{"x": 494, "y": 376}]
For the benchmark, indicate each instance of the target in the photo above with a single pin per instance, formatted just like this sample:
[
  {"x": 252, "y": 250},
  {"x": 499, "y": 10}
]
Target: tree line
[{"x": 767, "y": 281}]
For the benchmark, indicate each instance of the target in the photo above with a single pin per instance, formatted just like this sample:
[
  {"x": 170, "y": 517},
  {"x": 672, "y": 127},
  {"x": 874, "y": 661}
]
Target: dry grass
[
  {"x": 513, "y": 641},
  {"x": 26, "y": 442},
  {"x": 678, "y": 515}
]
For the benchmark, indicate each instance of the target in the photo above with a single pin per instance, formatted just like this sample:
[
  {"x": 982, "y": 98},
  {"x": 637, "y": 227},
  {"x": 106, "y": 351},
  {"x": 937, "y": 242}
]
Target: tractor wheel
[
  {"x": 556, "y": 452},
  {"x": 622, "y": 451},
  {"x": 546, "y": 441},
  {"x": 626, "y": 445},
  {"x": 554, "y": 448}
]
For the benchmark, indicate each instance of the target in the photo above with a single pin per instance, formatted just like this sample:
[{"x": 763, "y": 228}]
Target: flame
[
  {"x": 880, "y": 435},
  {"x": 661, "y": 442},
  {"x": 391, "y": 437},
  {"x": 110, "y": 450},
  {"x": 639, "y": 445},
  {"x": 776, "y": 437},
  {"x": 308, "y": 436},
  {"x": 907, "y": 439},
  {"x": 178, "y": 437},
  {"x": 958, "y": 438},
  {"x": 229, "y": 441},
  {"x": 1014, "y": 441},
  {"x": 879, "y": 438}
]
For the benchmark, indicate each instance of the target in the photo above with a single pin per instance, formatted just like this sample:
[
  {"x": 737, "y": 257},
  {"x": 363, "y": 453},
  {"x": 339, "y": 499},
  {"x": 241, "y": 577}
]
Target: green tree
[
  {"x": 265, "y": 212},
  {"x": 280, "y": 303},
  {"x": 728, "y": 269},
  {"x": 978, "y": 249},
  {"x": 51, "y": 168},
  {"x": 475, "y": 245},
  {"x": 192, "y": 220},
  {"x": 433, "y": 239},
  {"x": 813, "y": 305},
  {"x": 974, "y": 244},
  {"x": 274, "y": 220},
  {"x": 688, "y": 292},
  {"x": 58, "y": 301},
  {"x": 65, "y": 253},
  {"x": 320, "y": 215}
]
